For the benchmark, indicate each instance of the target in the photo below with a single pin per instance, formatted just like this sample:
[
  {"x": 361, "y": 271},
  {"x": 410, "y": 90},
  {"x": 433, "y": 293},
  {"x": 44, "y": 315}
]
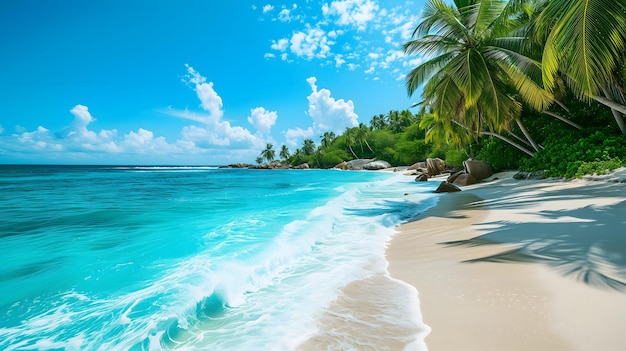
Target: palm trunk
[
  {"x": 368, "y": 146},
  {"x": 562, "y": 119},
  {"x": 520, "y": 139},
  {"x": 503, "y": 138},
  {"x": 526, "y": 134},
  {"x": 352, "y": 151},
  {"x": 616, "y": 109},
  {"x": 510, "y": 142}
]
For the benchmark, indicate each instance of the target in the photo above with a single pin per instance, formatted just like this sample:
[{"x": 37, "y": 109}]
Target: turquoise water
[{"x": 193, "y": 258}]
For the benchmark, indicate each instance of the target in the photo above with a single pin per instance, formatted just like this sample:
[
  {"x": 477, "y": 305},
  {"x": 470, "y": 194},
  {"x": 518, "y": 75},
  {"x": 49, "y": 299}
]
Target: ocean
[{"x": 201, "y": 258}]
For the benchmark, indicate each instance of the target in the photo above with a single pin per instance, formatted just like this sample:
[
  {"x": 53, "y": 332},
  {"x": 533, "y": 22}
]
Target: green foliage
[
  {"x": 572, "y": 154},
  {"x": 333, "y": 158},
  {"x": 455, "y": 157},
  {"x": 499, "y": 154},
  {"x": 409, "y": 152}
]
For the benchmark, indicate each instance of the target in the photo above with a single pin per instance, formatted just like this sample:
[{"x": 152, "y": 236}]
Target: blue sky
[{"x": 193, "y": 82}]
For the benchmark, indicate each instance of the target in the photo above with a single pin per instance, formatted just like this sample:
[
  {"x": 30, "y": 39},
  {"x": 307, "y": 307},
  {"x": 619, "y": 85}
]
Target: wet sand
[{"x": 520, "y": 265}]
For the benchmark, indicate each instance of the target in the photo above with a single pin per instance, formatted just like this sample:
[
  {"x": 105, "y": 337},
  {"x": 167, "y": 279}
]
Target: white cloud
[
  {"x": 262, "y": 120},
  {"x": 339, "y": 60},
  {"x": 310, "y": 44},
  {"x": 269, "y": 55},
  {"x": 413, "y": 62},
  {"x": 294, "y": 136},
  {"x": 280, "y": 45},
  {"x": 284, "y": 15},
  {"x": 356, "y": 13},
  {"x": 267, "y": 8},
  {"x": 329, "y": 114},
  {"x": 209, "y": 100}
]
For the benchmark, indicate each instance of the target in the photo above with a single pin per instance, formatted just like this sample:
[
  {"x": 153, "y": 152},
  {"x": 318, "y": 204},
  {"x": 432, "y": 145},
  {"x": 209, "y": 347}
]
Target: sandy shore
[{"x": 520, "y": 265}]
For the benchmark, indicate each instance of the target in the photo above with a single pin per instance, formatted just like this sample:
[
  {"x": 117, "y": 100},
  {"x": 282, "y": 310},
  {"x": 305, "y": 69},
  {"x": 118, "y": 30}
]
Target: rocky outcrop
[
  {"x": 446, "y": 187},
  {"x": 465, "y": 179},
  {"x": 417, "y": 165},
  {"x": 343, "y": 166},
  {"x": 238, "y": 165},
  {"x": 376, "y": 165},
  {"x": 537, "y": 175},
  {"x": 435, "y": 166},
  {"x": 421, "y": 177},
  {"x": 302, "y": 166},
  {"x": 478, "y": 169}
]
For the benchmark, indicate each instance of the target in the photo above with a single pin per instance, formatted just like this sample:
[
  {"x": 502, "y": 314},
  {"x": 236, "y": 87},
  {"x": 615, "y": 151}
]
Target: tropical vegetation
[{"x": 522, "y": 84}]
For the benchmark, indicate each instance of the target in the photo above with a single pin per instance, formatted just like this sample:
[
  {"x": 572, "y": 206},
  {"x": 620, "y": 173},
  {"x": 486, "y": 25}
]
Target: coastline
[{"x": 516, "y": 264}]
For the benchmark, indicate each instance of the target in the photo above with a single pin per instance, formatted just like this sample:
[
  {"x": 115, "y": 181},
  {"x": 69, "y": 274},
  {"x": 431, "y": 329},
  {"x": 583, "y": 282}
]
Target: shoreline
[{"x": 517, "y": 264}]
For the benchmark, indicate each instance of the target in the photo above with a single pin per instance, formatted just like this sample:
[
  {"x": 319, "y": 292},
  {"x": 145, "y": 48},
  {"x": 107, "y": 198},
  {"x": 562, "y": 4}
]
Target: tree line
[{"x": 520, "y": 83}]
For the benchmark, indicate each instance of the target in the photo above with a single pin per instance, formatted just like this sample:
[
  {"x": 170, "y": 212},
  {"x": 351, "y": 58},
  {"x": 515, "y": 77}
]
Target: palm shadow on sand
[{"x": 587, "y": 244}]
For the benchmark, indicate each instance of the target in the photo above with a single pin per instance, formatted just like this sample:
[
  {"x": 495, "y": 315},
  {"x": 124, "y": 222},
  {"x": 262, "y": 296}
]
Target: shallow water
[{"x": 193, "y": 258}]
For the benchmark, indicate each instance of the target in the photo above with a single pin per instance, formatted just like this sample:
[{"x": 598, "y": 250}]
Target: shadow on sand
[{"x": 586, "y": 243}]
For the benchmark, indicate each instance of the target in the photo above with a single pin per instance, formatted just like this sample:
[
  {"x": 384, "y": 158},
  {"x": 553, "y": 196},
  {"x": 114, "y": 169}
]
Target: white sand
[{"x": 550, "y": 269}]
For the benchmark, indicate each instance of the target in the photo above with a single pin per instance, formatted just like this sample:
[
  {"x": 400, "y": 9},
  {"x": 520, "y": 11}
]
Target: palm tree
[
  {"x": 378, "y": 122},
  {"x": 308, "y": 147},
  {"x": 585, "y": 40},
  {"x": 327, "y": 139},
  {"x": 259, "y": 160},
  {"x": 475, "y": 75},
  {"x": 350, "y": 135},
  {"x": 361, "y": 134},
  {"x": 284, "y": 152},
  {"x": 269, "y": 153},
  {"x": 298, "y": 155}
]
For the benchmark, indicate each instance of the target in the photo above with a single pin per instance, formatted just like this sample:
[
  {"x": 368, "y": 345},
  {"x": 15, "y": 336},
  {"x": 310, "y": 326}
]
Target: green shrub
[
  {"x": 576, "y": 153},
  {"x": 455, "y": 157},
  {"x": 500, "y": 154}
]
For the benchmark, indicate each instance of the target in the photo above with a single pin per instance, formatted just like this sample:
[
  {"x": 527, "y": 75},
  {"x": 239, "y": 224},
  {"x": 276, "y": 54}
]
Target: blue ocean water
[{"x": 188, "y": 258}]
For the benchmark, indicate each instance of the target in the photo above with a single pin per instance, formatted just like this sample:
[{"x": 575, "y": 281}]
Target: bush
[
  {"x": 455, "y": 157},
  {"x": 500, "y": 154},
  {"x": 576, "y": 153}
]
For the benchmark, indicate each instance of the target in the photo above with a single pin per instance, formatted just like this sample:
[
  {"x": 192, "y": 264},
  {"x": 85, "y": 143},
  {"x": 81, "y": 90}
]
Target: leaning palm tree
[
  {"x": 269, "y": 153},
  {"x": 585, "y": 41},
  {"x": 350, "y": 137},
  {"x": 361, "y": 134},
  {"x": 284, "y": 152},
  {"x": 475, "y": 73}
]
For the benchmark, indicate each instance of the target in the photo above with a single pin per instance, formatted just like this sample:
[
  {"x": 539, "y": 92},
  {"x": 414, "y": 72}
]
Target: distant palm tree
[
  {"x": 284, "y": 152},
  {"x": 298, "y": 155},
  {"x": 327, "y": 139},
  {"x": 259, "y": 160},
  {"x": 350, "y": 135},
  {"x": 378, "y": 122},
  {"x": 361, "y": 134},
  {"x": 308, "y": 148},
  {"x": 269, "y": 153}
]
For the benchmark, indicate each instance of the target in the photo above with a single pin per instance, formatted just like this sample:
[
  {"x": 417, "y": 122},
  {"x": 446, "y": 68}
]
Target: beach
[{"x": 520, "y": 265}]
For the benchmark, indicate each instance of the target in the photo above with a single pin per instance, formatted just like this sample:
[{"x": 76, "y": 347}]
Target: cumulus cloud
[
  {"x": 327, "y": 113},
  {"x": 261, "y": 119},
  {"x": 294, "y": 136},
  {"x": 280, "y": 45},
  {"x": 309, "y": 44},
  {"x": 209, "y": 100},
  {"x": 267, "y": 8},
  {"x": 357, "y": 13}
]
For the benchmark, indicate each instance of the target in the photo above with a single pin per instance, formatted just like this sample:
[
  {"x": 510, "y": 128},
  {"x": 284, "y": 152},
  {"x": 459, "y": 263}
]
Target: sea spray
[{"x": 149, "y": 258}]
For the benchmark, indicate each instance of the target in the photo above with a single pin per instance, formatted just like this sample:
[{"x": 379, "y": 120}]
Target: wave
[{"x": 242, "y": 290}]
